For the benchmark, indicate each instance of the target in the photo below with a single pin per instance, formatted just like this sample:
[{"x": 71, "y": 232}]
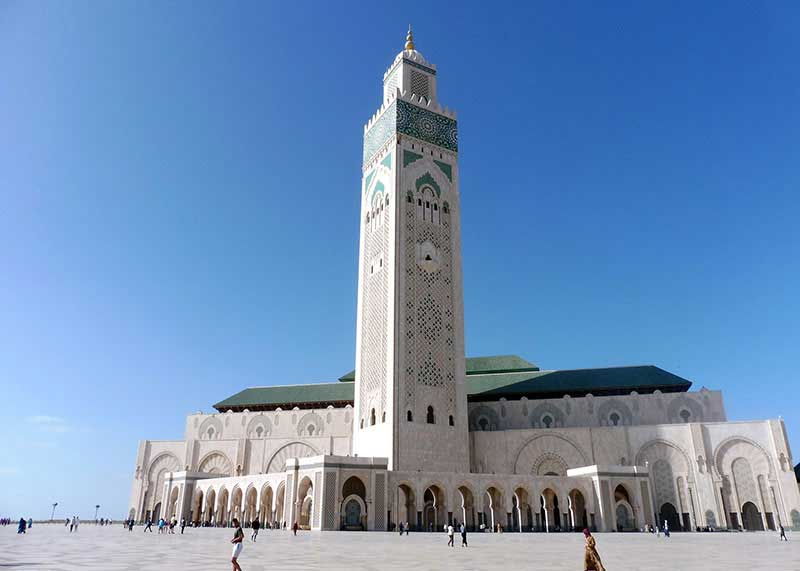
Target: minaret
[{"x": 410, "y": 400}]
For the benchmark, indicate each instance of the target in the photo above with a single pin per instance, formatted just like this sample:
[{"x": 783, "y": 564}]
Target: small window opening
[
  {"x": 372, "y": 417},
  {"x": 614, "y": 418},
  {"x": 430, "y": 419},
  {"x": 451, "y": 421}
]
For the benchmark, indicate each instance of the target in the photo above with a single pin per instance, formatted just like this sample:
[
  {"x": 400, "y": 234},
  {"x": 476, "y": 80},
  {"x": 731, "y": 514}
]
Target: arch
[
  {"x": 406, "y": 504},
  {"x": 216, "y": 462},
  {"x": 434, "y": 511},
  {"x": 197, "y": 506},
  {"x": 277, "y": 463},
  {"x": 577, "y": 510},
  {"x": 209, "y": 515},
  {"x": 483, "y": 418},
  {"x": 751, "y": 517},
  {"x": 667, "y": 513},
  {"x": 493, "y": 507},
  {"x": 430, "y": 417},
  {"x": 311, "y": 424},
  {"x": 664, "y": 484},
  {"x": 614, "y": 406},
  {"x": 354, "y": 504},
  {"x": 658, "y": 449},
  {"x": 623, "y": 509},
  {"x": 305, "y": 501},
  {"x": 236, "y": 503},
  {"x": 540, "y": 414},
  {"x": 521, "y": 510},
  {"x": 464, "y": 502},
  {"x": 250, "y": 505},
  {"x": 684, "y": 403},
  {"x": 739, "y": 446},
  {"x": 210, "y": 429},
  {"x": 545, "y": 450},
  {"x": 260, "y": 426},
  {"x": 354, "y": 485},
  {"x": 549, "y": 510},
  {"x": 266, "y": 514},
  {"x": 280, "y": 500},
  {"x": 163, "y": 464},
  {"x": 221, "y": 515}
]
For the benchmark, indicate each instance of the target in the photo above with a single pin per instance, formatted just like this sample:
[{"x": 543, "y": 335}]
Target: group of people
[
  {"x": 23, "y": 525},
  {"x": 5, "y": 521},
  {"x": 164, "y": 526},
  {"x": 72, "y": 523}
]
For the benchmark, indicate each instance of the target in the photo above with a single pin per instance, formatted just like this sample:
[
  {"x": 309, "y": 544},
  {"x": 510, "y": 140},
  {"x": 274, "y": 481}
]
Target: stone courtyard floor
[{"x": 52, "y": 547}]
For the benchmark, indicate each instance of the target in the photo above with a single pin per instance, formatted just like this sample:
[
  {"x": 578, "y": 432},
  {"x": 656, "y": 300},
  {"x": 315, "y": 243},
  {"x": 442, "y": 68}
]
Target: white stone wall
[{"x": 626, "y": 410}]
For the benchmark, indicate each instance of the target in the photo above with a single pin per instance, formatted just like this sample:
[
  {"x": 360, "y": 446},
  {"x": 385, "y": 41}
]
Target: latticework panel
[
  {"x": 329, "y": 503},
  {"x": 316, "y": 506},
  {"x": 429, "y": 364},
  {"x": 380, "y": 502},
  {"x": 375, "y": 315}
]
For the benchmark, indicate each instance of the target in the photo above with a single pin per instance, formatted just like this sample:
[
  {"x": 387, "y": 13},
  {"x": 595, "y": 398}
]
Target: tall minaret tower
[{"x": 410, "y": 400}]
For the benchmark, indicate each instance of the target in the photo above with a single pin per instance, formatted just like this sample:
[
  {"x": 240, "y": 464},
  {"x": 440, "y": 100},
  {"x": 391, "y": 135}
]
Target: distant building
[{"x": 419, "y": 434}]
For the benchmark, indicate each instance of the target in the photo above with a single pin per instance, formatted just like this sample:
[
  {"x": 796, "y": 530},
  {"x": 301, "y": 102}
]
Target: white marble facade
[{"x": 614, "y": 462}]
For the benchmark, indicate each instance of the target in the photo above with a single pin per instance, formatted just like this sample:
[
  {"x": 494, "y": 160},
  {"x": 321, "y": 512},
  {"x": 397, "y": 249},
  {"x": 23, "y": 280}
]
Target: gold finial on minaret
[{"x": 409, "y": 39}]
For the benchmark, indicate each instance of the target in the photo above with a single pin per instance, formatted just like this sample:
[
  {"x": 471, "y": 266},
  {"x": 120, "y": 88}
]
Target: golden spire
[{"x": 409, "y": 39}]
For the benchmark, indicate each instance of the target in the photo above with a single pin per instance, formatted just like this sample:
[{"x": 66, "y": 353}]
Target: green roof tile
[{"x": 480, "y": 386}]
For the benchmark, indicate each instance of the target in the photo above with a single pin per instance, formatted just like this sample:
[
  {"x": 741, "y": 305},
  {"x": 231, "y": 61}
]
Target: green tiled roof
[
  {"x": 478, "y": 365},
  {"x": 498, "y": 364},
  {"x": 574, "y": 382},
  {"x": 287, "y": 396},
  {"x": 480, "y": 386}
]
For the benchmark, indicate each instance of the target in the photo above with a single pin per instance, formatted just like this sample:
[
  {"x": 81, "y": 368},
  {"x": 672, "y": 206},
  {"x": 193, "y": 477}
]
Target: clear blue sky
[{"x": 179, "y": 193}]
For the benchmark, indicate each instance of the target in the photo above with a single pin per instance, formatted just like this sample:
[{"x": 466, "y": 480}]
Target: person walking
[
  {"x": 72, "y": 525},
  {"x": 130, "y": 524},
  {"x": 591, "y": 559},
  {"x": 21, "y": 526},
  {"x": 463, "y": 535},
  {"x": 66, "y": 523},
  {"x": 450, "y": 535},
  {"x": 148, "y": 525},
  {"x": 783, "y": 533},
  {"x": 256, "y": 525},
  {"x": 238, "y": 536},
  {"x": 183, "y": 524},
  {"x": 666, "y": 528},
  {"x": 295, "y": 527},
  {"x": 408, "y": 528}
]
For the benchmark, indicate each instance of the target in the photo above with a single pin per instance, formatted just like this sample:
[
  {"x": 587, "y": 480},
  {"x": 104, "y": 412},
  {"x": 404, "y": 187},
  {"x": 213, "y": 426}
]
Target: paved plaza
[{"x": 52, "y": 547}]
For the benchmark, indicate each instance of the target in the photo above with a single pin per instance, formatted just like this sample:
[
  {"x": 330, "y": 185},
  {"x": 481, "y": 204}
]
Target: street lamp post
[
  {"x": 53, "y": 514},
  {"x": 96, "y": 508}
]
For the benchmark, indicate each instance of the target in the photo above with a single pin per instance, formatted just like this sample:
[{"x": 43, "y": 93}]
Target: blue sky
[{"x": 179, "y": 191}]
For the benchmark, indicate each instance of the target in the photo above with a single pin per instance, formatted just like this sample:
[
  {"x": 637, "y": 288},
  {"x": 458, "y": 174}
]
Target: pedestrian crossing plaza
[{"x": 52, "y": 547}]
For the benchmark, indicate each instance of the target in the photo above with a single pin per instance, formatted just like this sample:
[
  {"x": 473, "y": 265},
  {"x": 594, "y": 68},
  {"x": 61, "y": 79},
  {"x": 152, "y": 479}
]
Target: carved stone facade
[{"x": 419, "y": 435}]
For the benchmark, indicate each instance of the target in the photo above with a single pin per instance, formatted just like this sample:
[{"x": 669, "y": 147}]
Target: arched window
[
  {"x": 430, "y": 418},
  {"x": 547, "y": 421},
  {"x": 451, "y": 421},
  {"x": 383, "y": 416},
  {"x": 614, "y": 418},
  {"x": 362, "y": 423},
  {"x": 372, "y": 417},
  {"x": 409, "y": 416},
  {"x": 311, "y": 430},
  {"x": 210, "y": 432},
  {"x": 259, "y": 431},
  {"x": 483, "y": 423},
  {"x": 686, "y": 415}
]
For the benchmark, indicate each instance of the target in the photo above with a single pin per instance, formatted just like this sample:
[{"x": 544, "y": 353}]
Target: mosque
[{"x": 418, "y": 433}]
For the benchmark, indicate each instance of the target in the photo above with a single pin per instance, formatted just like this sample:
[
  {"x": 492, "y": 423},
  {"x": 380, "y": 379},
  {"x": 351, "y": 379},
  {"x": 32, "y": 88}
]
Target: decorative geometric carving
[
  {"x": 316, "y": 506},
  {"x": 311, "y": 424},
  {"x": 483, "y": 418},
  {"x": 427, "y": 126},
  {"x": 216, "y": 463},
  {"x": 380, "y": 502},
  {"x": 548, "y": 447},
  {"x": 292, "y": 450},
  {"x": 329, "y": 503}
]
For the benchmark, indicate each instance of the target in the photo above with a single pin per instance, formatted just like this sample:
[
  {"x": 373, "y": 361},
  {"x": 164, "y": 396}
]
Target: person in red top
[{"x": 238, "y": 536}]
